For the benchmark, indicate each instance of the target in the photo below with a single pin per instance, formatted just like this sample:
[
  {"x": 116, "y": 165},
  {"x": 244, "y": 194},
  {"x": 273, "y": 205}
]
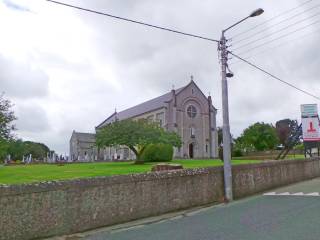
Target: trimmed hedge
[{"x": 158, "y": 153}]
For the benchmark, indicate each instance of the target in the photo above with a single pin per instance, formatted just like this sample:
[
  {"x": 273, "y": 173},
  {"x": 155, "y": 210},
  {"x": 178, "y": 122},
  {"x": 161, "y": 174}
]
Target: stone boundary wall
[
  {"x": 55, "y": 208},
  {"x": 32, "y": 211},
  {"x": 250, "y": 179}
]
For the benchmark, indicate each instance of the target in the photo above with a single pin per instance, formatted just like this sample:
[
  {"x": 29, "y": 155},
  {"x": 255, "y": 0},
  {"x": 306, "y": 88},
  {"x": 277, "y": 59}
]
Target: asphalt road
[{"x": 285, "y": 213}]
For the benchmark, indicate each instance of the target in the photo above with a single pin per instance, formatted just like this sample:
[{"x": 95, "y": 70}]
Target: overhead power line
[
  {"x": 280, "y": 37},
  {"x": 275, "y": 77},
  {"x": 276, "y": 46},
  {"x": 271, "y": 19},
  {"x": 279, "y": 30},
  {"x": 132, "y": 21},
  {"x": 278, "y": 23},
  {"x": 186, "y": 34}
]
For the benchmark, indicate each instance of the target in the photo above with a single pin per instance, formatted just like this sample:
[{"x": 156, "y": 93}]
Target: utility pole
[
  {"x": 225, "y": 107},
  {"x": 226, "y": 126}
]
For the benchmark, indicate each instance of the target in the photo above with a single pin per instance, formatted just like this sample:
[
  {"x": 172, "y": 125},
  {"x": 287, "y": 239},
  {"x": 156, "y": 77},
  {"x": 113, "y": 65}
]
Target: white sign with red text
[{"x": 310, "y": 129}]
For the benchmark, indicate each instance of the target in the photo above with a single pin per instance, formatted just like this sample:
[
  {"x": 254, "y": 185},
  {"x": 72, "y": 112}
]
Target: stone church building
[{"x": 186, "y": 111}]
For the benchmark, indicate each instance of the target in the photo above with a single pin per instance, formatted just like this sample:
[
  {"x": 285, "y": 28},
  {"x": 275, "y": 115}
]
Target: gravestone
[{"x": 166, "y": 167}]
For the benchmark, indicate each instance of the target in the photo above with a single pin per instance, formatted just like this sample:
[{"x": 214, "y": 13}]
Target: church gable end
[
  {"x": 194, "y": 123},
  {"x": 192, "y": 92}
]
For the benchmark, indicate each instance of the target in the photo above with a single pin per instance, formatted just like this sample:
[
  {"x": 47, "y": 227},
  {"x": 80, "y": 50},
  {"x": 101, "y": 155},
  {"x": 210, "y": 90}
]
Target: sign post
[{"x": 310, "y": 127}]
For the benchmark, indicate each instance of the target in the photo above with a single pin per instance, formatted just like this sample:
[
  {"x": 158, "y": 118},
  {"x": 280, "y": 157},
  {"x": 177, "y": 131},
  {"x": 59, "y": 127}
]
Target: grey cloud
[
  {"x": 305, "y": 63},
  {"x": 15, "y": 6},
  {"x": 58, "y": 62},
  {"x": 157, "y": 59},
  {"x": 32, "y": 118},
  {"x": 20, "y": 80}
]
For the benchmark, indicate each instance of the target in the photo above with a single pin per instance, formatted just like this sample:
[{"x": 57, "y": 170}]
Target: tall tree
[
  {"x": 136, "y": 135},
  {"x": 286, "y": 128},
  {"x": 4, "y": 146},
  {"x": 37, "y": 150},
  {"x": 18, "y": 148},
  {"x": 6, "y": 125},
  {"x": 259, "y": 137},
  {"x": 6, "y": 118}
]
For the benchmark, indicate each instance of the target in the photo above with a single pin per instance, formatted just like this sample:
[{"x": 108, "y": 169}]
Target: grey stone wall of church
[
  {"x": 201, "y": 123},
  {"x": 82, "y": 150}
]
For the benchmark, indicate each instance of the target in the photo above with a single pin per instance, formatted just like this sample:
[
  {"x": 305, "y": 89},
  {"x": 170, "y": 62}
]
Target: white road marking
[
  {"x": 284, "y": 194},
  {"x": 298, "y": 194},
  {"x": 313, "y": 194},
  {"x": 270, "y": 194}
]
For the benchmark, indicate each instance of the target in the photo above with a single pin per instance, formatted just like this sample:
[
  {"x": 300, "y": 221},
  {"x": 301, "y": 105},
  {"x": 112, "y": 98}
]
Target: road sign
[
  {"x": 309, "y": 110},
  {"x": 310, "y": 129}
]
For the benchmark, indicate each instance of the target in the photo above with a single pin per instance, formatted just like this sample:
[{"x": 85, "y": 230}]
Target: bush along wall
[{"x": 158, "y": 153}]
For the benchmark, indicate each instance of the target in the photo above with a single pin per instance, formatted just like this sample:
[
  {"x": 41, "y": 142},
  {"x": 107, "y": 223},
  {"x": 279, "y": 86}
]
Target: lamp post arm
[{"x": 236, "y": 24}]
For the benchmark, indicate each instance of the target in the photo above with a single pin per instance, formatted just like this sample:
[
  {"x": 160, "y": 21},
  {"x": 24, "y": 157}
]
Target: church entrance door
[{"x": 191, "y": 150}]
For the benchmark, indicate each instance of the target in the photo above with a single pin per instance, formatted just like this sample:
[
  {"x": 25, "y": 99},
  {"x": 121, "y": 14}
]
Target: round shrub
[
  {"x": 237, "y": 153},
  {"x": 158, "y": 153}
]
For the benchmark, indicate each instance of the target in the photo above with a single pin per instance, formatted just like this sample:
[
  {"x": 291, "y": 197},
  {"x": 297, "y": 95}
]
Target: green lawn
[{"x": 46, "y": 172}]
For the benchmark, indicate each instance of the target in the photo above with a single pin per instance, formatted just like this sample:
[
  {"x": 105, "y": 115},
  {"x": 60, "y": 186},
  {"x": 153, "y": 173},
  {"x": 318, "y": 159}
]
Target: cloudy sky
[{"x": 65, "y": 69}]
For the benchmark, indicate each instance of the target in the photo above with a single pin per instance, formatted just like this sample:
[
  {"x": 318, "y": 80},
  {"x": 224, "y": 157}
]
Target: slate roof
[
  {"x": 84, "y": 137},
  {"x": 153, "y": 104},
  {"x": 148, "y": 106}
]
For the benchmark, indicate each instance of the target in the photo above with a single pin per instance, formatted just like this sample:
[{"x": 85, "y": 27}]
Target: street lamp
[
  {"x": 225, "y": 108},
  {"x": 256, "y": 12}
]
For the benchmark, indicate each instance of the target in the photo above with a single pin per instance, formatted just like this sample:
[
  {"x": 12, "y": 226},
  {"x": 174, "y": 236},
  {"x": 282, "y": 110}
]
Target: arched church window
[
  {"x": 192, "y": 111},
  {"x": 192, "y": 132}
]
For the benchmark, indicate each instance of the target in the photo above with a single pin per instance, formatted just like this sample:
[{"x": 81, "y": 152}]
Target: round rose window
[{"x": 191, "y": 111}]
